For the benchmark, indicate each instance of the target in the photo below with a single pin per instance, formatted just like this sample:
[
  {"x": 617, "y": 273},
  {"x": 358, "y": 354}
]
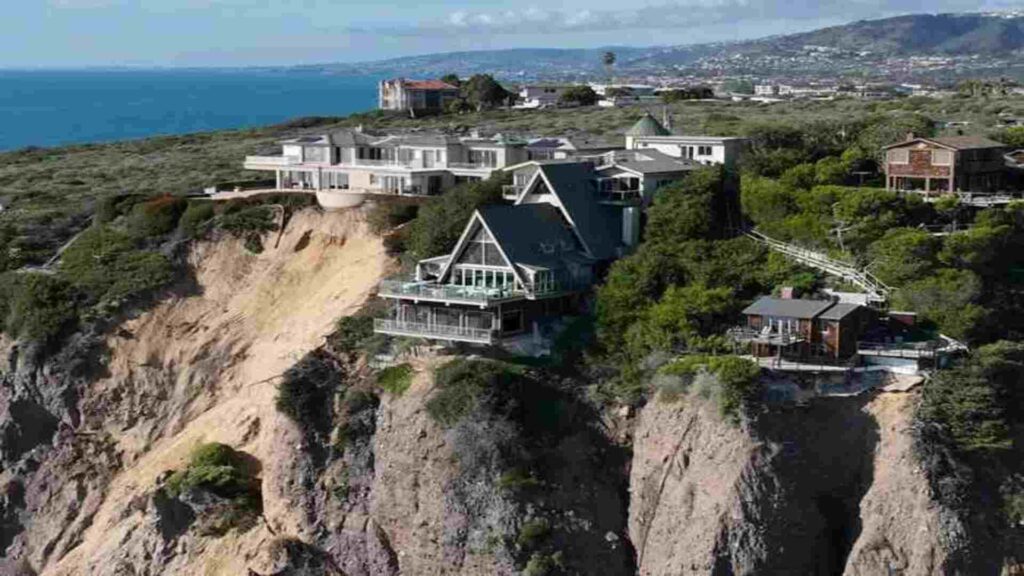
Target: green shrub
[
  {"x": 385, "y": 216},
  {"x": 306, "y": 391},
  {"x": 353, "y": 335},
  {"x": 36, "y": 306},
  {"x": 244, "y": 221},
  {"x": 395, "y": 379},
  {"x": 196, "y": 215},
  {"x": 736, "y": 379},
  {"x": 105, "y": 265},
  {"x": 156, "y": 217},
  {"x": 459, "y": 385},
  {"x": 532, "y": 533},
  {"x": 221, "y": 471},
  {"x": 439, "y": 223},
  {"x": 517, "y": 479}
]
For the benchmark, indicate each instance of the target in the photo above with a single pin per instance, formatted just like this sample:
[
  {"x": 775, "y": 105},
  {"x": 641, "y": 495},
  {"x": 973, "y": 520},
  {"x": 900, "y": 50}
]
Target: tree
[
  {"x": 690, "y": 209},
  {"x": 579, "y": 96},
  {"x": 440, "y": 222},
  {"x": 683, "y": 314},
  {"x": 948, "y": 299},
  {"x": 903, "y": 255},
  {"x": 975, "y": 404},
  {"x": 452, "y": 80},
  {"x": 482, "y": 92},
  {"x": 608, "y": 60},
  {"x": 1012, "y": 137},
  {"x": 886, "y": 129}
]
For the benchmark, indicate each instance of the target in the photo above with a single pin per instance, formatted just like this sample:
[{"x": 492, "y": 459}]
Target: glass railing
[
  {"x": 440, "y": 331},
  {"x": 465, "y": 294}
]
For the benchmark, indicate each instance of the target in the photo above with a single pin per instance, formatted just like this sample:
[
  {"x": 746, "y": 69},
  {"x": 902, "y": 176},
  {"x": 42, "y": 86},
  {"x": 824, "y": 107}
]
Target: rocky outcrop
[{"x": 833, "y": 488}]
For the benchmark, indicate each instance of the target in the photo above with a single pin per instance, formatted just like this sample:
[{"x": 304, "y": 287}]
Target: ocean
[{"x": 51, "y": 108}]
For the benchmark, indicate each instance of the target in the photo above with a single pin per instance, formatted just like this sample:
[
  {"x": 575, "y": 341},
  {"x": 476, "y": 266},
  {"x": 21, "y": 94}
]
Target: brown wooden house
[
  {"x": 796, "y": 328},
  {"x": 946, "y": 165}
]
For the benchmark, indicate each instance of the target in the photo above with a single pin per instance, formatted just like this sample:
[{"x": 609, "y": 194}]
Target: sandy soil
[{"x": 218, "y": 354}]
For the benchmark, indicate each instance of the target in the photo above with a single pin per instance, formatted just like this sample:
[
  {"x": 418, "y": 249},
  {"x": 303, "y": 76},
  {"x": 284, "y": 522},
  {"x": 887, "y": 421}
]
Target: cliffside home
[
  {"x": 801, "y": 329},
  {"x": 533, "y": 96},
  {"x": 415, "y": 95},
  {"x": 418, "y": 163},
  {"x": 946, "y": 165}
]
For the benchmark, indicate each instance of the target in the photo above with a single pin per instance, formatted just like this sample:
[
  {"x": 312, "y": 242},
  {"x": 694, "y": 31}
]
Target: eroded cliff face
[
  {"x": 198, "y": 367},
  {"x": 88, "y": 437},
  {"x": 833, "y": 488}
]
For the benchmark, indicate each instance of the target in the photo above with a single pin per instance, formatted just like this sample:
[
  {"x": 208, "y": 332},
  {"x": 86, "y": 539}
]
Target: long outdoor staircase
[{"x": 876, "y": 290}]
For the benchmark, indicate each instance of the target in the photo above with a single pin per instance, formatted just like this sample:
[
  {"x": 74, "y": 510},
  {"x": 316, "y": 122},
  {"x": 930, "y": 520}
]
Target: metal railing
[
  {"x": 620, "y": 195},
  {"x": 744, "y": 334},
  {"x": 273, "y": 160},
  {"x": 876, "y": 289},
  {"x": 472, "y": 166},
  {"x": 436, "y": 331},
  {"x": 913, "y": 350}
]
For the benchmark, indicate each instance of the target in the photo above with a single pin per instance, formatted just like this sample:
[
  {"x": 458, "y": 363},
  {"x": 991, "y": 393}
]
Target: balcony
[
  {"x": 764, "y": 336},
  {"x": 272, "y": 161},
  {"x": 472, "y": 295},
  {"x": 427, "y": 291},
  {"x": 631, "y": 196},
  {"x": 434, "y": 331},
  {"x": 471, "y": 166},
  {"x": 512, "y": 191}
]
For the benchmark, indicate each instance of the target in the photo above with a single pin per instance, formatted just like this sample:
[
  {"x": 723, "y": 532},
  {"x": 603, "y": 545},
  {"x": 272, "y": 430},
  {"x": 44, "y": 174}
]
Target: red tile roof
[{"x": 428, "y": 85}]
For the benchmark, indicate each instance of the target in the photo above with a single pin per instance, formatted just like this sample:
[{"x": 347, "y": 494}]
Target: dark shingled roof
[
  {"x": 968, "y": 142},
  {"x": 521, "y": 230},
  {"x": 599, "y": 225},
  {"x": 787, "y": 308},
  {"x": 839, "y": 311}
]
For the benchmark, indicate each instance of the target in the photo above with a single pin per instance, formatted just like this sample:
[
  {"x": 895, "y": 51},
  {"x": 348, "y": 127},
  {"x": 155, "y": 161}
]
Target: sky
[{"x": 91, "y": 33}]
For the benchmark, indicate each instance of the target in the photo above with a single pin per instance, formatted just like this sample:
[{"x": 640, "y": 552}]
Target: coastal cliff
[{"x": 92, "y": 435}]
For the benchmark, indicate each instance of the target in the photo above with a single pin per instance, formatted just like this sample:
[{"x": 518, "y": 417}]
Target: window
[
  {"x": 942, "y": 157},
  {"x": 900, "y": 156},
  {"x": 704, "y": 151},
  {"x": 488, "y": 158}
]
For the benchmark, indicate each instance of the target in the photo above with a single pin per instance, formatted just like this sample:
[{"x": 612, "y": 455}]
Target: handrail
[
  {"x": 876, "y": 289},
  {"x": 420, "y": 329}
]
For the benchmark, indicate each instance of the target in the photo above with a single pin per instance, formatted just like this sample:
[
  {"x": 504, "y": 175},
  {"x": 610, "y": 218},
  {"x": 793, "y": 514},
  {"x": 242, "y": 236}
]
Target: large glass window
[{"x": 487, "y": 158}]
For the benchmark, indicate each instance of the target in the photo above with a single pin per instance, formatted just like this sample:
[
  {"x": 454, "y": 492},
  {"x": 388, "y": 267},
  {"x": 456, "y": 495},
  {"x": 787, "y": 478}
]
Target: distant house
[
  {"x": 945, "y": 165},
  {"x": 532, "y": 96},
  {"x": 415, "y": 163},
  {"x": 766, "y": 90},
  {"x": 415, "y": 95},
  {"x": 649, "y": 134},
  {"x": 803, "y": 329}
]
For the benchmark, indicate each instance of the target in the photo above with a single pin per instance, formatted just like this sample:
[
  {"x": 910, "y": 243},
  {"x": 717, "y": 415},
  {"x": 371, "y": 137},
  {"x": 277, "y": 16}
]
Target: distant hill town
[{"x": 900, "y": 48}]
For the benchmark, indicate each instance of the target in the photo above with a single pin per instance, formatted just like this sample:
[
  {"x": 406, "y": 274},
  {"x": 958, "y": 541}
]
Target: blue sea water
[{"x": 49, "y": 108}]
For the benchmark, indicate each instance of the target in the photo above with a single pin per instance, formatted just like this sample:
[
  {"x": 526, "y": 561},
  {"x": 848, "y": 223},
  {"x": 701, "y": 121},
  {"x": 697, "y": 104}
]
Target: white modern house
[
  {"x": 533, "y": 96},
  {"x": 344, "y": 165},
  {"x": 401, "y": 94},
  {"x": 650, "y": 135}
]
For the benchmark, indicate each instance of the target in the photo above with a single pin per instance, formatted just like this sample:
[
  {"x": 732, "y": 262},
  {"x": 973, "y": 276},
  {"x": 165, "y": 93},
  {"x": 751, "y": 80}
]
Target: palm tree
[{"x": 608, "y": 59}]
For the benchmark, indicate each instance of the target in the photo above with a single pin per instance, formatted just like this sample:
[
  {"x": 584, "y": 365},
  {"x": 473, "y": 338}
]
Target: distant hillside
[{"x": 854, "y": 48}]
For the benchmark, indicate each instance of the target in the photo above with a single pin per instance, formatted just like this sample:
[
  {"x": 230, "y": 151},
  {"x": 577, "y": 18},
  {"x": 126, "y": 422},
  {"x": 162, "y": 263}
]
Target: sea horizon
[{"x": 59, "y": 107}]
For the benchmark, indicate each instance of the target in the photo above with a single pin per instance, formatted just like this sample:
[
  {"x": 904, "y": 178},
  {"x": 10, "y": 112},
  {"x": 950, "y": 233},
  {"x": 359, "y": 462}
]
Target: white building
[
  {"x": 766, "y": 90},
  {"x": 539, "y": 96},
  {"x": 404, "y": 164},
  {"x": 415, "y": 95},
  {"x": 649, "y": 134}
]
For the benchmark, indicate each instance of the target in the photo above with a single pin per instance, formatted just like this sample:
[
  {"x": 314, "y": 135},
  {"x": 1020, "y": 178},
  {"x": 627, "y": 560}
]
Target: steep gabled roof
[
  {"x": 531, "y": 235},
  {"x": 648, "y": 126},
  {"x": 598, "y": 226}
]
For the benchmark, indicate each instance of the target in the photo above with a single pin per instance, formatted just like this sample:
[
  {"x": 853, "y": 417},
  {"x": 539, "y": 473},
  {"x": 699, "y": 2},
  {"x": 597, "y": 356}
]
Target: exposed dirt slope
[{"x": 201, "y": 368}]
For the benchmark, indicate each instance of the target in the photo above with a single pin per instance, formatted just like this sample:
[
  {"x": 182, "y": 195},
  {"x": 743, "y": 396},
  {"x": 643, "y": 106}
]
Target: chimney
[
  {"x": 666, "y": 119},
  {"x": 787, "y": 293},
  {"x": 359, "y": 128},
  {"x": 910, "y": 136}
]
